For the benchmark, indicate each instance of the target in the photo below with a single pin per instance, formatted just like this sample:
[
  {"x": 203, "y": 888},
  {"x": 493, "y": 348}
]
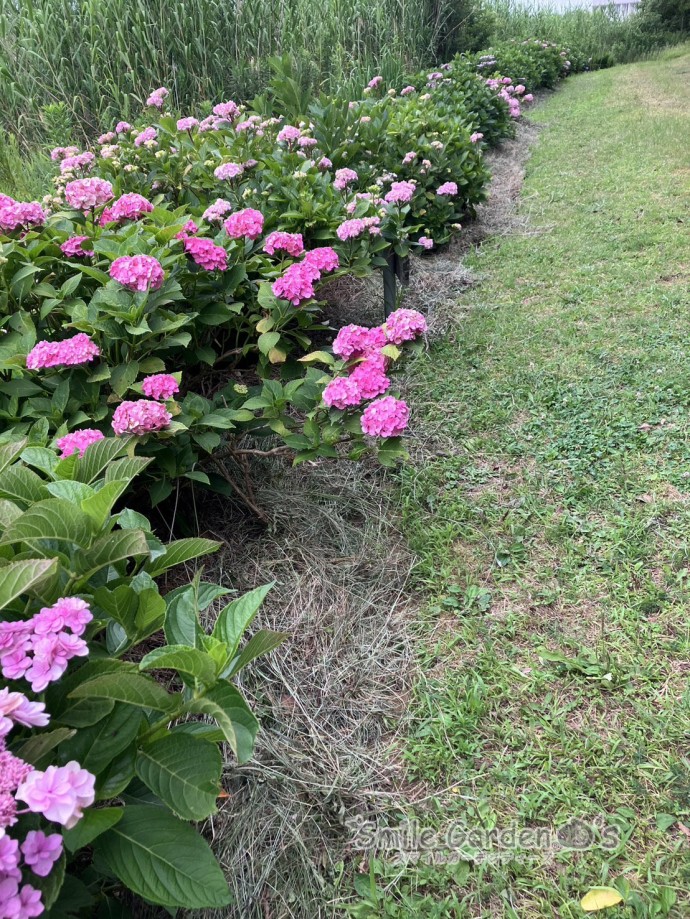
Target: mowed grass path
[{"x": 552, "y": 519}]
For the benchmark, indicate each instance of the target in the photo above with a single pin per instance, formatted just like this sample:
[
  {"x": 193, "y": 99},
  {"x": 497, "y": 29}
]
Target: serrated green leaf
[
  {"x": 183, "y": 550},
  {"x": 234, "y": 618},
  {"x": 184, "y": 772},
  {"x": 188, "y": 661},
  {"x": 132, "y": 688},
  {"x": 95, "y": 821},
  {"x": 19, "y": 577},
  {"x": 227, "y": 706}
]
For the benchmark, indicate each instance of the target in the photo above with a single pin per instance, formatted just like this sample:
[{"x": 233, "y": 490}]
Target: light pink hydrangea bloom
[
  {"x": 228, "y": 171},
  {"x": 249, "y": 223},
  {"x": 343, "y": 178},
  {"x": 130, "y": 206},
  {"x": 448, "y": 188},
  {"x": 74, "y": 247},
  {"x": 353, "y": 341},
  {"x": 158, "y": 97},
  {"x": 186, "y": 124},
  {"x": 122, "y": 127},
  {"x": 386, "y": 417},
  {"x": 292, "y": 243},
  {"x": 60, "y": 793},
  {"x": 289, "y": 134},
  {"x": 60, "y": 153},
  {"x": 351, "y": 229},
  {"x": 404, "y": 325},
  {"x": 78, "y": 441},
  {"x": 160, "y": 386},
  {"x": 107, "y": 138},
  {"x": 226, "y": 110},
  {"x": 138, "y": 272},
  {"x": 426, "y": 242},
  {"x": 342, "y": 393},
  {"x": 140, "y": 417},
  {"x": 374, "y": 82},
  {"x": 13, "y": 770},
  {"x": 206, "y": 253},
  {"x": 15, "y": 215},
  {"x": 83, "y": 161},
  {"x": 215, "y": 212},
  {"x": 324, "y": 163},
  {"x": 41, "y": 851},
  {"x": 400, "y": 193},
  {"x": 476, "y": 137},
  {"x": 86, "y": 194},
  {"x": 15, "y": 708},
  {"x": 69, "y": 352},
  {"x": 407, "y": 90},
  {"x": 147, "y": 136},
  {"x": 189, "y": 229}
]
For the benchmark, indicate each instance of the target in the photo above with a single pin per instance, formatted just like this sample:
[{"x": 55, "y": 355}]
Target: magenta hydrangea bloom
[
  {"x": 71, "y": 613},
  {"x": 407, "y": 90},
  {"x": 324, "y": 163},
  {"x": 160, "y": 386},
  {"x": 8, "y": 815},
  {"x": 60, "y": 793},
  {"x": 448, "y": 188},
  {"x": 206, "y": 253},
  {"x": 323, "y": 259},
  {"x": 228, "y": 171},
  {"x": 374, "y": 82},
  {"x": 41, "y": 851},
  {"x": 342, "y": 393},
  {"x": 130, "y": 207},
  {"x": 74, "y": 247},
  {"x": 13, "y": 770},
  {"x": 404, "y": 325},
  {"x": 19, "y": 903},
  {"x": 292, "y": 243},
  {"x": 86, "y": 194},
  {"x": 20, "y": 215},
  {"x": 106, "y": 138},
  {"x": 343, "y": 178},
  {"x": 386, "y": 417},
  {"x": 189, "y": 229},
  {"x": 400, "y": 192},
  {"x": 354, "y": 341},
  {"x": 140, "y": 417},
  {"x": 306, "y": 143},
  {"x": 78, "y": 441},
  {"x": 289, "y": 134},
  {"x": 158, "y": 97},
  {"x": 69, "y": 352},
  {"x": 138, "y": 272},
  {"x": 147, "y": 136},
  {"x": 249, "y": 223},
  {"x": 370, "y": 378},
  {"x": 215, "y": 212},
  {"x": 296, "y": 284}
]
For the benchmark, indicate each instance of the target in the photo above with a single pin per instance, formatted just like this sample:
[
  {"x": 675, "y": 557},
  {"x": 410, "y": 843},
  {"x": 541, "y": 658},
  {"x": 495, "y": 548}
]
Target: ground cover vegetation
[{"x": 159, "y": 306}]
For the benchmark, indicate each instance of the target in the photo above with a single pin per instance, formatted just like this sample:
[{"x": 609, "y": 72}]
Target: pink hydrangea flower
[
  {"x": 425, "y": 242},
  {"x": 78, "y": 441},
  {"x": 51, "y": 655},
  {"x": 386, "y": 417},
  {"x": 41, "y": 852},
  {"x": 307, "y": 142},
  {"x": 74, "y": 247},
  {"x": 140, "y": 417},
  {"x": 374, "y": 82},
  {"x": 61, "y": 153},
  {"x": 122, "y": 127},
  {"x": 448, "y": 188},
  {"x": 70, "y": 613},
  {"x": 226, "y": 110},
  {"x": 189, "y": 229},
  {"x": 354, "y": 341},
  {"x": 215, "y": 212},
  {"x": 289, "y": 134},
  {"x": 130, "y": 206},
  {"x": 407, "y": 90},
  {"x": 138, "y": 272},
  {"x": 476, "y": 137},
  {"x": 351, "y": 229},
  {"x": 324, "y": 163},
  {"x": 106, "y": 138},
  {"x": 370, "y": 377},
  {"x": 15, "y": 215},
  {"x": 206, "y": 253},
  {"x": 158, "y": 97},
  {"x": 15, "y": 708},
  {"x": 343, "y": 178},
  {"x": 60, "y": 793},
  {"x": 292, "y": 243},
  {"x": 160, "y": 386},
  {"x": 228, "y": 171},
  {"x": 8, "y": 817},
  {"x": 296, "y": 284},
  {"x": 404, "y": 325},
  {"x": 69, "y": 352},
  {"x": 13, "y": 770},
  {"x": 186, "y": 124},
  {"x": 146, "y": 136},
  {"x": 19, "y": 903},
  {"x": 528, "y": 98},
  {"x": 323, "y": 259},
  {"x": 342, "y": 393},
  {"x": 86, "y": 194},
  {"x": 400, "y": 192},
  {"x": 9, "y": 849},
  {"x": 249, "y": 223},
  {"x": 409, "y": 158},
  {"x": 83, "y": 161}
]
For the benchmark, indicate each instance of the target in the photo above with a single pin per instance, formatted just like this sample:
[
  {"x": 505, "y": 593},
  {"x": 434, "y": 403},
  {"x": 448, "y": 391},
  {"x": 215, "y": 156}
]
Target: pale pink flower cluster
[
  {"x": 374, "y": 82},
  {"x": 323, "y": 259},
  {"x": 138, "y": 272},
  {"x": 401, "y": 192},
  {"x": 324, "y": 163},
  {"x": 83, "y": 161},
  {"x": 160, "y": 386},
  {"x": 122, "y": 127},
  {"x": 351, "y": 229},
  {"x": 106, "y": 138},
  {"x": 39, "y": 649},
  {"x": 60, "y": 793},
  {"x": 448, "y": 188},
  {"x": 15, "y": 708},
  {"x": 307, "y": 142},
  {"x": 249, "y": 223},
  {"x": 404, "y": 325},
  {"x": 16, "y": 215},
  {"x": 41, "y": 851},
  {"x": 189, "y": 229},
  {"x": 140, "y": 417},
  {"x": 409, "y": 158},
  {"x": 78, "y": 441},
  {"x": 386, "y": 417},
  {"x": 206, "y": 253},
  {"x": 476, "y": 137},
  {"x": 186, "y": 124},
  {"x": 296, "y": 283},
  {"x": 407, "y": 90},
  {"x": 292, "y": 243},
  {"x": 215, "y": 212},
  {"x": 228, "y": 171},
  {"x": 289, "y": 134},
  {"x": 69, "y": 352},
  {"x": 74, "y": 247},
  {"x": 343, "y": 178},
  {"x": 87, "y": 194},
  {"x": 226, "y": 110},
  {"x": 147, "y": 136},
  {"x": 528, "y": 97},
  {"x": 130, "y": 206},
  {"x": 158, "y": 97},
  {"x": 425, "y": 242},
  {"x": 60, "y": 153}
]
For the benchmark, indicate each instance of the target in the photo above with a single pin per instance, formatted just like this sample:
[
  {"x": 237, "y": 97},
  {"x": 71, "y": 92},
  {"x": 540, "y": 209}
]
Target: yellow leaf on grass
[{"x": 600, "y": 898}]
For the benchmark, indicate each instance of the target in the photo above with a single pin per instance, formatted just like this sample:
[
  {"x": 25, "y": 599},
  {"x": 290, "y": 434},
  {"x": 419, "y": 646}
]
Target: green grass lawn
[{"x": 551, "y": 517}]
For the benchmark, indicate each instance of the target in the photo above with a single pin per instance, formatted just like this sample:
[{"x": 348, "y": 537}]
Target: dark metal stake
[{"x": 390, "y": 287}]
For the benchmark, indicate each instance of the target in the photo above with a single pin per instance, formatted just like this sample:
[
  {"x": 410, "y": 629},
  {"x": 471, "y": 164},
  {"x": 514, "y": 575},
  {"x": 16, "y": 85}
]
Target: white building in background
[{"x": 623, "y": 7}]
